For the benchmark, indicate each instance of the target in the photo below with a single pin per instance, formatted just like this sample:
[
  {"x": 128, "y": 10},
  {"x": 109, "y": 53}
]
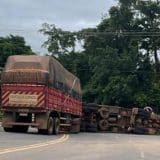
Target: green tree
[
  {"x": 147, "y": 23},
  {"x": 118, "y": 55},
  {"x": 58, "y": 41},
  {"x": 77, "y": 63},
  {"x": 12, "y": 45}
]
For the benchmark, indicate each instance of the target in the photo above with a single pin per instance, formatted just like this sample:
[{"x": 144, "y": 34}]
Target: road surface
[{"x": 82, "y": 146}]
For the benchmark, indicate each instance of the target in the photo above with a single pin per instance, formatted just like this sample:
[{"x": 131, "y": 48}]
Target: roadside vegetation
[{"x": 118, "y": 62}]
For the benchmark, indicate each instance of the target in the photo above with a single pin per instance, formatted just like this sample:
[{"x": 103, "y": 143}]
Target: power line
[{"x": 90, "y": 33}]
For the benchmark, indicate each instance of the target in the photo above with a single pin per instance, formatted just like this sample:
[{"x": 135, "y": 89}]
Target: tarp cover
[{"x": 39, "y": 69}]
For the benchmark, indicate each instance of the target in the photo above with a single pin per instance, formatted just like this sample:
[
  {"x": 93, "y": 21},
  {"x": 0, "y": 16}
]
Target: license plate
[{"x": 23, "y": 110}]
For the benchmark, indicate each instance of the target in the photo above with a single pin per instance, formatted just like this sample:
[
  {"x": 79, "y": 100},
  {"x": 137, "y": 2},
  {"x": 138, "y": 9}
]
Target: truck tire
[
  {"x": 104, "y": 113},
  {"x": 144, "y": 114},
  {"x": 103, "y": 125},
  {"x": 8, "y": 129},
  {"x": 148, "y": 109},
  {"x": 50, "y": 126},
  {"x": 56, "y": 126}
]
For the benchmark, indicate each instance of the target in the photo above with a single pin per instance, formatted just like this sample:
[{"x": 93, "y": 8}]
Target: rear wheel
[
  {"x": 104, "y": 112},
  {"x": 50, "y": 126},
  {"x": 8, "y": 129},
  {"x": 56, "y": 126},
  {"x": 103, "y": 125}
]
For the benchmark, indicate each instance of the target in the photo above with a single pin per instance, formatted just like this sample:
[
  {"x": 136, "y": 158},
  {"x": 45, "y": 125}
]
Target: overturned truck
[
  {"x": 119, "y": 119},
  {"x": 38, "y": 91}
]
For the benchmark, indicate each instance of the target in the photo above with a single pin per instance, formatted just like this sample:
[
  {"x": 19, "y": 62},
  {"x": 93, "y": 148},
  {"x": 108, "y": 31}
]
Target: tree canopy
[
  {"x": 12, "y": 45},
  {"x": 119, "y": 60}
]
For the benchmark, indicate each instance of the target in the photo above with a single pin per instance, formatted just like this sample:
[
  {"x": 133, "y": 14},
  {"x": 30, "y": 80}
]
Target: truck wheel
[
  {"x": 50, "y": 125},
  {"x": 104, "y": 112},
  {"x": 8, "y": 129},
  {"x": 56, "y": 126},
  {"x": 103, "y": 125}
]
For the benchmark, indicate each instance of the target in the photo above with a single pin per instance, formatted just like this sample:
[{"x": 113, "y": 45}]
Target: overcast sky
[{"x": 25, "y": 17}]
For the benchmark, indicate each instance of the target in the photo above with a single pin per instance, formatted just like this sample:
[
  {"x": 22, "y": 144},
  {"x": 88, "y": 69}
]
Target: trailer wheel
[
  {"x": 103, "y": 125},
  {"x": 50, "y": 126},
  {"x": 56, "y": 126},
  {"x": 104, "y": 113}
]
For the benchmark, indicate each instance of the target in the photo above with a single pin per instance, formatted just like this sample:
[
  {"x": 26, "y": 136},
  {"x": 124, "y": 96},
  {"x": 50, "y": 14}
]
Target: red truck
[{"x": 38, "y": 91}]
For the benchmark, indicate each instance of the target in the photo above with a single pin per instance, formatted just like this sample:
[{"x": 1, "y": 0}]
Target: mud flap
[{"x": 42, "y": 120}]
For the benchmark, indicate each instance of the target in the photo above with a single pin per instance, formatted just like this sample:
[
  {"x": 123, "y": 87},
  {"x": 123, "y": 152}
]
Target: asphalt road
[{"x": 82, "y": 146}]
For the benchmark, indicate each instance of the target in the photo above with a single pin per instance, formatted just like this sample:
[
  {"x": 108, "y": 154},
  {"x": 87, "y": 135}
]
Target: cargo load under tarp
[{"x": 39, "y": 70}]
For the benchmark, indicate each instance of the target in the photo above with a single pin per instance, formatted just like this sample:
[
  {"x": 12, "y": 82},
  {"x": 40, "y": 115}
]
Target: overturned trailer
[
  {"x": 119, "y": 119},
  {"x": 144, "y": 121}
]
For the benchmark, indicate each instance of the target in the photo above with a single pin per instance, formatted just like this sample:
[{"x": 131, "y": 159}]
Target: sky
[{"x": 25, "y": 17}]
